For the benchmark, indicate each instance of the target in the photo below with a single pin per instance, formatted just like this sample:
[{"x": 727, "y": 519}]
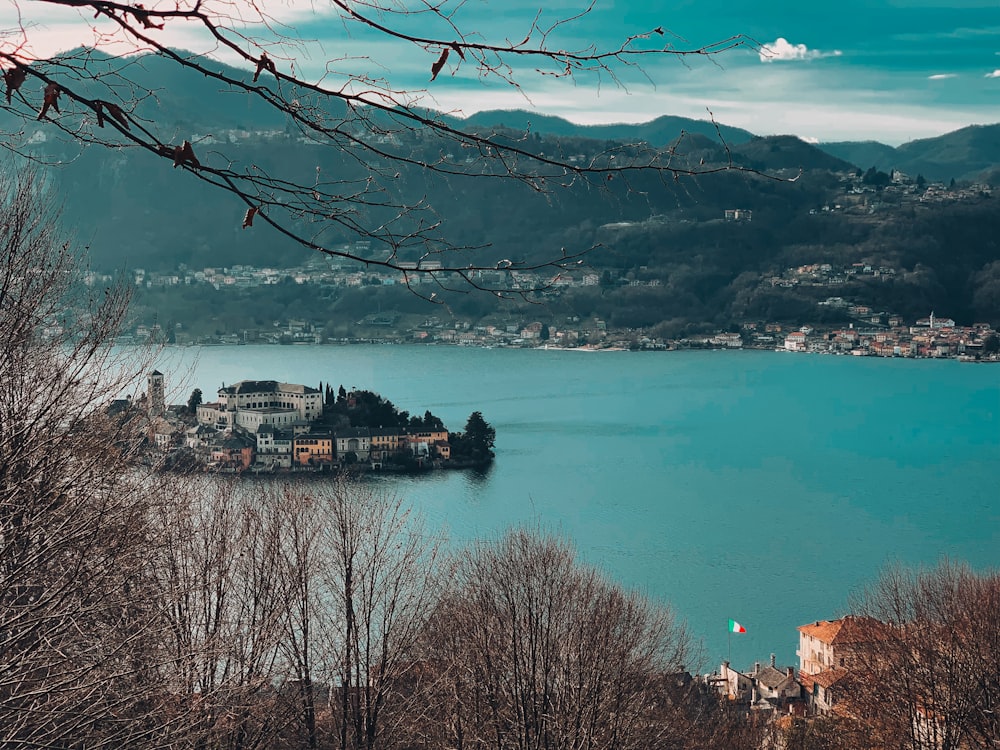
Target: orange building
[{"x": 313, "y": 448}]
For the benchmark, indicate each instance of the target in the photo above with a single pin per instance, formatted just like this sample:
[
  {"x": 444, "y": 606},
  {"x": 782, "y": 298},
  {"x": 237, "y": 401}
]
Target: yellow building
[{"x": 311, "y": 449}]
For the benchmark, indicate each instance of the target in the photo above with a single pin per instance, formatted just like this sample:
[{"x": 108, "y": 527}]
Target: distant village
[
  {"x": 266, "y": 426},
  {"x": 871, "y": 332},
  {"x": 932, "y": 337}
]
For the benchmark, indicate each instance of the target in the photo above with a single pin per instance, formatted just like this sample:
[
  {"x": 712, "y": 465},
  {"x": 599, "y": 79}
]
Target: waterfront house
[
  {"x": 429, "y": 444},
  {"x": 234, "y": 452},
  {"x": 386, "y": 443},
  {"x": 274, "y": 447},
  {"x": 354, "y": 440},
  {"x": 795, "y": 342},
  {"x": 313, "y": 449}
]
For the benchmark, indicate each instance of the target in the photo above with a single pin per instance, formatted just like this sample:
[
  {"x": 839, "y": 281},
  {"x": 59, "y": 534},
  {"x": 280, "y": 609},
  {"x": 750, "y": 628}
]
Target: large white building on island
[{"x": 252, "y": 403}]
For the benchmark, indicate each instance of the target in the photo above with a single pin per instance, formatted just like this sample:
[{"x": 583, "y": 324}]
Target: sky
[{"x": 891, "y": 71}]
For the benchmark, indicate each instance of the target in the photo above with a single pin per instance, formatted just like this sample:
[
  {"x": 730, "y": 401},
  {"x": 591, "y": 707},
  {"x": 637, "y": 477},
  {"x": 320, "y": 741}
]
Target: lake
[{"x": 762, "y": 486}]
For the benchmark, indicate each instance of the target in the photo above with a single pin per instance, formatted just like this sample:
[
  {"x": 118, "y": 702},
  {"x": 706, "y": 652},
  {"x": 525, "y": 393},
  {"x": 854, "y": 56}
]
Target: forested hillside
[{"x": 695, "y": 269}]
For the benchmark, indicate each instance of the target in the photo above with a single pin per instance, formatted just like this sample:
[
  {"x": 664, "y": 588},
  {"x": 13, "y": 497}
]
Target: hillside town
[
  {"x": 267, "y": 426},
  {"x": 831, "y": 653},
  {"x": 826, "y": 653},
  {"x": 863, "y": 331}
]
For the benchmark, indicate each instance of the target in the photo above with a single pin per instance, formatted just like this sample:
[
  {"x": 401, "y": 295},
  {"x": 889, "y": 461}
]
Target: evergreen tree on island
[{"x": 476, "y": 443}]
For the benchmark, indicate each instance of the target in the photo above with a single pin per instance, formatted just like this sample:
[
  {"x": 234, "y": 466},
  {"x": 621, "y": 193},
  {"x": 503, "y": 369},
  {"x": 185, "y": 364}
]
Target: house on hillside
[
  {"x": 828, "y": 651},
  {"x": 764, "y": 688},
  {"x": 775, "y": 686}
]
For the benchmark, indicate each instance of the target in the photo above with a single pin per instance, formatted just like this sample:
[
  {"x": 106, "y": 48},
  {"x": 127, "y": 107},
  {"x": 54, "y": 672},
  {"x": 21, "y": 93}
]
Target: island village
[{"x": 268, "y": 426}]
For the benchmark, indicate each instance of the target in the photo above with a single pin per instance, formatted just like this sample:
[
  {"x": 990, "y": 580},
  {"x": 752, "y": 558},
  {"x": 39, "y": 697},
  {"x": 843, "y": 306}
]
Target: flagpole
[{"x": 730, "y": 634}]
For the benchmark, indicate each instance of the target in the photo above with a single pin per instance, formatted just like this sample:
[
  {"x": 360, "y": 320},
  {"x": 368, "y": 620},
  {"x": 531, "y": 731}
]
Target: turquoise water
[{"x": 761, "y": 486}]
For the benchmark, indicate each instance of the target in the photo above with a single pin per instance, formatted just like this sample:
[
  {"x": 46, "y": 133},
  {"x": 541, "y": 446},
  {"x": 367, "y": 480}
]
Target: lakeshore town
[{"x": 867, "y": 332}]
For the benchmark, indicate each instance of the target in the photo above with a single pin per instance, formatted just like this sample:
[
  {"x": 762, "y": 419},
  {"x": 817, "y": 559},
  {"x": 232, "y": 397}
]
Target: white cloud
[
  {"x": 941, "y": 76},
  {"x": 994, "y": 74},
  {"x": 782, "y": 49}
]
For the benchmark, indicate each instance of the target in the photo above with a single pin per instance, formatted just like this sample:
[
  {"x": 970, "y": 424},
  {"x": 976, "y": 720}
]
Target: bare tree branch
[{"x": 376, "y": 128}]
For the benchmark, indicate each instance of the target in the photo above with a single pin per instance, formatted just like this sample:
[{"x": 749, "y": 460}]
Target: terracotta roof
[
  {"x": 824, "y": 679},
  {"x": 849, "y": 629}
]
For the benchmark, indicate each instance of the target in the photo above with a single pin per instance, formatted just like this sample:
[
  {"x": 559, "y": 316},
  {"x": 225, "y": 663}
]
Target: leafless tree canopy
[
  {"x": 352, "y": 106},
  {"x": 929, "y": 675},
  {"x": 71, "y": 523},
  {"x": 534, "y": 650}
]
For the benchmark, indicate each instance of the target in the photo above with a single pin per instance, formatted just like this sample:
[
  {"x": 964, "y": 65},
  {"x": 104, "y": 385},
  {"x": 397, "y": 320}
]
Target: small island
[{"x": 265, "y": 426}]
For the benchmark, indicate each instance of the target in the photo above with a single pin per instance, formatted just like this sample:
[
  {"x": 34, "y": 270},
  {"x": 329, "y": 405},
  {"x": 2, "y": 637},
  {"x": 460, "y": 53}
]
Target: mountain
[
  {"x": 963, "y": 154},
  {"x": 135, "y": 210},
  {"x": 782, "y": 152},
  {"x": 662, "y": 131},
  {"x": 864, "y": 154}
]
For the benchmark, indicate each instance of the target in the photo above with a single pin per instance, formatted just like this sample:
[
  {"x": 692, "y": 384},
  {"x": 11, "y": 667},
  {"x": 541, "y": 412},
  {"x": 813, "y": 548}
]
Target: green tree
[
  {"x": 432, "y": 422},
  {"x": 194, "y": 401},
  {"x": 477, "y": 441}
]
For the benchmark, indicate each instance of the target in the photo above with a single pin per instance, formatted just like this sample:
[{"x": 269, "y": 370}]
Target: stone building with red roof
[{"x": 828, "y": 651}]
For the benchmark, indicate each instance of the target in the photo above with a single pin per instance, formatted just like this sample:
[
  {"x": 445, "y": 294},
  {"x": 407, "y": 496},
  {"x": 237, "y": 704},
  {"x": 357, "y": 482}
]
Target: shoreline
[{"x": 675, "y": 347}]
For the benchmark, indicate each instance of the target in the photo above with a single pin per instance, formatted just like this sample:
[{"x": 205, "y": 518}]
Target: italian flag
[{"x": 735, "y": 627}]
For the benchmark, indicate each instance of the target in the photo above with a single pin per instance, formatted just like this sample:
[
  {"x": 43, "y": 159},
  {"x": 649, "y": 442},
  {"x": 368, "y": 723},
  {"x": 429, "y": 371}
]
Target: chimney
[
  {"x": 772, "y": 660},
  {"x": 791, "y": 672},
  {"x": 756, "y": 667}
]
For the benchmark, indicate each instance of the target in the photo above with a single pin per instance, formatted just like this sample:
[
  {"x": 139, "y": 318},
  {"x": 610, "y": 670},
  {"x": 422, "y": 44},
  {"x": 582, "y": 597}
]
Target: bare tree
[
  {"x": 362, "y": 577},
  {"x": 379, "y": 127},
  {"x": 535, "y": 650},
  {"x": 72, "y": 514},
  {"x": 927, "y": 678},
  {"x": 220, "y": 597}
]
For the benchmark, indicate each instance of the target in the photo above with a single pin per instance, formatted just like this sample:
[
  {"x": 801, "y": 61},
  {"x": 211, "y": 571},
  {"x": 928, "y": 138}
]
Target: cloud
[
  {"x": 941, "y": 76},
  {"x": 994, "y": 74},
  {"x": 782, "y": 49}
]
